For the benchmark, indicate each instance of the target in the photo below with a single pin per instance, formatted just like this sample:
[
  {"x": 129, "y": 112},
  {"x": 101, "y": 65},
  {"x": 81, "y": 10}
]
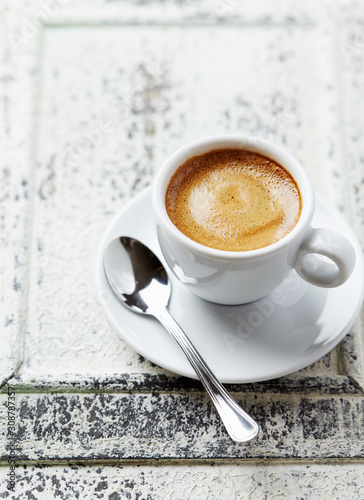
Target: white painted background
[{"x": 94, "y": 96}]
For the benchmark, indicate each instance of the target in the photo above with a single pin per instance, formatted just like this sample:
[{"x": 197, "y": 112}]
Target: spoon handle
[{"x": 240, "y": 426}]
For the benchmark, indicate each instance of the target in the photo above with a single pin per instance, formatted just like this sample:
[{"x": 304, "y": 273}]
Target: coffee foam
[{"x": 233, "y": 200}]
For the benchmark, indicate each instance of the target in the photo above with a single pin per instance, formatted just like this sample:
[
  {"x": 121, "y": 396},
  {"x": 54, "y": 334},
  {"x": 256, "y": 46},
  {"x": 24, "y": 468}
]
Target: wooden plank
[
  {"x": 214, "y": 481},
  {"x": 53, "y": 427},
  {"x": 151, "y": 103},
  {"x": 167, "y": 382}
]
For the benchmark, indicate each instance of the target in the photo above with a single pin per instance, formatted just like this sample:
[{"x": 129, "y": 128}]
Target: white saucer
[{"x": 288, "y": 330}]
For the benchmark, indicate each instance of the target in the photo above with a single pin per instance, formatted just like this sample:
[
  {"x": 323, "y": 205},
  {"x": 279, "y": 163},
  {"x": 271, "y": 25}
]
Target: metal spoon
[{"x": 140, "y": 282}]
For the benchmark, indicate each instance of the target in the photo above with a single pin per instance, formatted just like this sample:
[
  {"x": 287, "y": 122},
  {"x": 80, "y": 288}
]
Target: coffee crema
[{"x": 233, "y": 199}]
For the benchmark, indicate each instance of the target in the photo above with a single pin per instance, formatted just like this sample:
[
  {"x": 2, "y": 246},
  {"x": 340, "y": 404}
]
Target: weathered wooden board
[
  {"x": 214, "y": 481},
  {"x": 109, "y": 427},
  {"x": 94, "y": 95},
  {"x": 107, "y": 116}
]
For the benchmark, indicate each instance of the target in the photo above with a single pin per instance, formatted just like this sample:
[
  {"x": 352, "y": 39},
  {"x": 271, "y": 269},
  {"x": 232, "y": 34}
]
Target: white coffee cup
[{"x": 230, "y": 277}]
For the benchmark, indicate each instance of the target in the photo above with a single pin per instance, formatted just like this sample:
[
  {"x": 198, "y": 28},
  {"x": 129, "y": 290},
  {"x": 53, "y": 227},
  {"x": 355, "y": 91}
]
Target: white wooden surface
[
  {"x": 94, "y": 95},
  {"x": 198, "y": 482}
]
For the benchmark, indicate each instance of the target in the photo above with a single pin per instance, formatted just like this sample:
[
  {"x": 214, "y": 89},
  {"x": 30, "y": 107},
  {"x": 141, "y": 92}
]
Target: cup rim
[{"x": 249, "y": 143}]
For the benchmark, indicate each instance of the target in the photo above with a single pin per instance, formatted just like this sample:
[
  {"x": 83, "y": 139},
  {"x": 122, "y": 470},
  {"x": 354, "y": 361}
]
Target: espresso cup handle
[{"x": 325, "y": 258}]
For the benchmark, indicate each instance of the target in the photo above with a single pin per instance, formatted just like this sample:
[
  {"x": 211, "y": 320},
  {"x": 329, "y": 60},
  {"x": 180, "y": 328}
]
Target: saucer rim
[{"x": 189, "y": 373}]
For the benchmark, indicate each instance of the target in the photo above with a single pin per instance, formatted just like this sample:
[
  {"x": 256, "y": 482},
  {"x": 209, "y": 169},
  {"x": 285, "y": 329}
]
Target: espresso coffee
[{"x": 232, "y": 199}]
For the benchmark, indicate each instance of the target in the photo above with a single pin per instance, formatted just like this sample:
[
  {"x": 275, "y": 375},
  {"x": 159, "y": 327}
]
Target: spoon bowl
[{"x": 136, "y": 275}]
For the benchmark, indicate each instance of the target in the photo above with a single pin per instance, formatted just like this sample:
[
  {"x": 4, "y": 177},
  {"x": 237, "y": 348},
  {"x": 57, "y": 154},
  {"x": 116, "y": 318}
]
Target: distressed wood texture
[
  {"x": 109, "y": 427},
  {"x": 94, "y": 96},
  {"x": 193, "y": 481}
]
